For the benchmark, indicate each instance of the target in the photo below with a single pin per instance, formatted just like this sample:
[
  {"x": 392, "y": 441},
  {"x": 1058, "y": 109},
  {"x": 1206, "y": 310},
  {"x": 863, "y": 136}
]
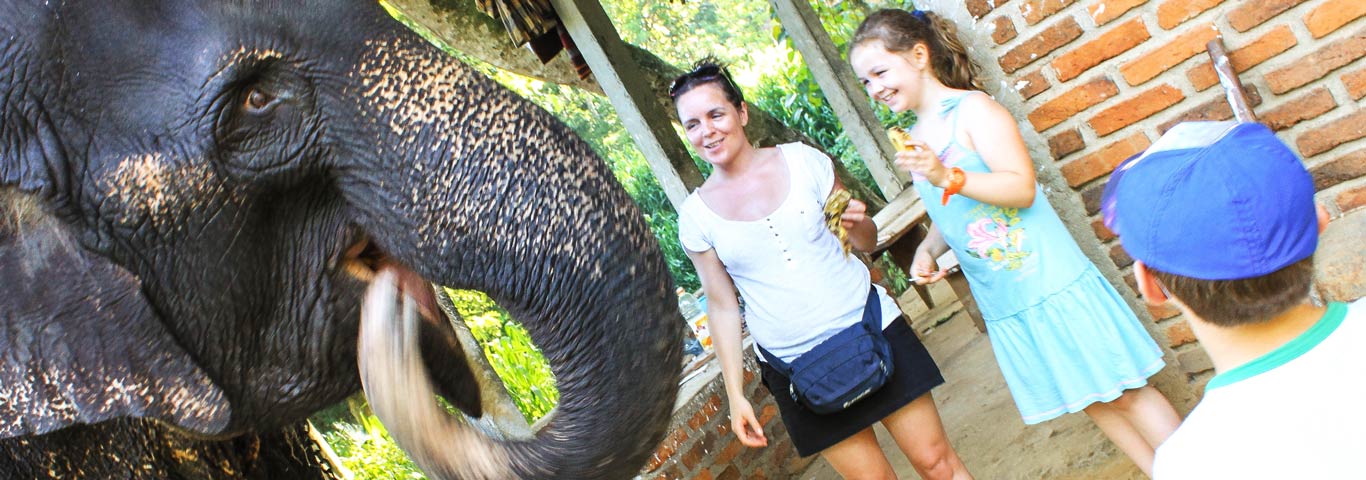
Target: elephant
[{"x": 195, "y": 196}]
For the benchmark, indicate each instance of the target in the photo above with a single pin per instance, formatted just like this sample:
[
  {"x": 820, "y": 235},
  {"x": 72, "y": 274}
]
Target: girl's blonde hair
[{"x": 900, "y": 30}]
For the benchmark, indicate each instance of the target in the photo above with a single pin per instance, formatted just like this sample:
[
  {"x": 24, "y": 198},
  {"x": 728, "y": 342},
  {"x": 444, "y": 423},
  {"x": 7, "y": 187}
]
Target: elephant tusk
[{"x": 401, "y": 395}]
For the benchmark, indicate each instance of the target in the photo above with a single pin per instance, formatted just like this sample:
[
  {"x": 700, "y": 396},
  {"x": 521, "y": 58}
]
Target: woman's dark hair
[
  {"x": 900, "y": 31},
  {"x": 707, "y": 70}
]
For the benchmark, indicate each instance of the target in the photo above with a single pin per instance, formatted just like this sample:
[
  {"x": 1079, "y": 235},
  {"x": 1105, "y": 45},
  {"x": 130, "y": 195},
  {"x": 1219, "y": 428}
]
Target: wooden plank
[
  {"x": 842, "y": 89},
  {"x": 633, "y": 98},
  {"x": 901, "y": 214}
]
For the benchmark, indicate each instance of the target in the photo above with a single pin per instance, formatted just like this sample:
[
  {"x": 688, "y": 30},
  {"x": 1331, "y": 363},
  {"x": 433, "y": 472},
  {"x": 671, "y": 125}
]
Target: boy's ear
[
  {"x": 1323, "y": 216},
  {"x": 1147, "y": 285}
]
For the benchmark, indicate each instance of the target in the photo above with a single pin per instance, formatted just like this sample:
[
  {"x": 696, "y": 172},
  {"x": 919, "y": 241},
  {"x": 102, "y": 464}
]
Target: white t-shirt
[
  {"x": 799, "y": 286},
  {"x": 1297, "y": 412}
]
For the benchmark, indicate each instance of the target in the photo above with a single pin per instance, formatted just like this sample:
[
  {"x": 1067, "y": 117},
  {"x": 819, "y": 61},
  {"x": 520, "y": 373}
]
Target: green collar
[{"x": 1332, "y": 317}]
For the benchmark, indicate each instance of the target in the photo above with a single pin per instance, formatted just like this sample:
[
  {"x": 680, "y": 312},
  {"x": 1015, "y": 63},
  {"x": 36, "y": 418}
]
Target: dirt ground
[{"x": 981, "y": 419}]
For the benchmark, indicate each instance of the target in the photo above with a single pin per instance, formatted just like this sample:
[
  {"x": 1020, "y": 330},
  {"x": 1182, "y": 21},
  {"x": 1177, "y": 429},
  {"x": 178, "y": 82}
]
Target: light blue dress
[{"x": 1062, "y": 335}]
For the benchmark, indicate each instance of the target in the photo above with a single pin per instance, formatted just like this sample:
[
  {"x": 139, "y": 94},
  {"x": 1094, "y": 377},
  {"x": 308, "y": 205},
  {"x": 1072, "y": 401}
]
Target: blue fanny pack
[{"x": 844, "y": 368}]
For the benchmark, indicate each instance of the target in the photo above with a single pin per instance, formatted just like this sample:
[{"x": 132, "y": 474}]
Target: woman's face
[
  {"x": 893, "y": 78},
  {"x": 715, "y": 128}
]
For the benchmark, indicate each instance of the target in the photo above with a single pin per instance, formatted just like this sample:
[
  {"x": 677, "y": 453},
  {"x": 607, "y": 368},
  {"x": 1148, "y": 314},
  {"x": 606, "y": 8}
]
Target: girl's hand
[
  {"x": 854, "y": 214},
  {"x": 919, "y": 158},
  {"x": 745, "y": 425},
  {"x": 924, "y": 269}
]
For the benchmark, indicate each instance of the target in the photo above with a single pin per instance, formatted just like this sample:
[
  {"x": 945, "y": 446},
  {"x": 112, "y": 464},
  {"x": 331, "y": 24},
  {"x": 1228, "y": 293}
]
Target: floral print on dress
[{"x": 997, "y": 237}]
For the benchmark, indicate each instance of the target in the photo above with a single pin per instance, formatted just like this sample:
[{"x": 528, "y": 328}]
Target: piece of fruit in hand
[
  {"x": 899, "y": 138},
  {"x": 834, "y": 208}
]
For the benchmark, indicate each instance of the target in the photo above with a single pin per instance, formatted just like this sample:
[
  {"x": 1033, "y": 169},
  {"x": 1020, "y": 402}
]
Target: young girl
[
  {"x": 757, "y": 224},
  {"x": 1064, "y": 338}
]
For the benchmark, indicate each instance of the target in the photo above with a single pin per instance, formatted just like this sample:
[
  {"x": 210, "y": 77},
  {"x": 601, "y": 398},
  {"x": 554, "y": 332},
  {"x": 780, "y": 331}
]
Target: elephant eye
[{"x": 257, "y": 101}]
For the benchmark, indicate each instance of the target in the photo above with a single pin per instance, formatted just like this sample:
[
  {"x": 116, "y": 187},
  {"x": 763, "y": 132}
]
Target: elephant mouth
[{"x": 364, "y": 260}]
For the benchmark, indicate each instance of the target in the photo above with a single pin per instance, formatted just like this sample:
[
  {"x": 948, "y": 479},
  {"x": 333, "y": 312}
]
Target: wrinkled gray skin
[{"x": 179, "y": 186}]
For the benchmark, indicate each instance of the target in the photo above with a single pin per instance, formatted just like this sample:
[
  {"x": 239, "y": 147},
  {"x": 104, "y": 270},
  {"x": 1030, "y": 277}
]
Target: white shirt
[
  {"x": 799, "y": 286},
  {"x": 1297, "y": 412}
]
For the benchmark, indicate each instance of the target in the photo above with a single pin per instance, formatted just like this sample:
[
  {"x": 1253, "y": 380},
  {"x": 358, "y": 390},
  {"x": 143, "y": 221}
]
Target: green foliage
[
  {"x": 362, "y": 444},
  {"x": 508, "y": 348}
]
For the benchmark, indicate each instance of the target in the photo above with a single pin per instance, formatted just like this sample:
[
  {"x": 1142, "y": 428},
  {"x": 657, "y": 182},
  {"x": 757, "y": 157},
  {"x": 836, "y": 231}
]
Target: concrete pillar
[
  {"x": 633, "y": 98},
  {"x": 842, "y": 89}
]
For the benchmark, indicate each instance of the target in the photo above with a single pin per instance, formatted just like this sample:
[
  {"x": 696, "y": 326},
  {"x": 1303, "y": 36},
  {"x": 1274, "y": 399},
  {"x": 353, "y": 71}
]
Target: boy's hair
[
  {"x": 1222, "y": 214},
  {"x": 707, "y": 70},
  {"x": 1232, "y": 303},
  {"x": 900, "y": 31}
]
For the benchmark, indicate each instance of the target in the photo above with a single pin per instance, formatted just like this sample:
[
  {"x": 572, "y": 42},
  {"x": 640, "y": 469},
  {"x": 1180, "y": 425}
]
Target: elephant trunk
[{"x": 500, "y": 197}]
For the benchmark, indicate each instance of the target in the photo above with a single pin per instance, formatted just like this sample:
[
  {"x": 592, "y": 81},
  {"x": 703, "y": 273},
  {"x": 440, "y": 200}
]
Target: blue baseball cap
[{"x": 1213, "y": 201}]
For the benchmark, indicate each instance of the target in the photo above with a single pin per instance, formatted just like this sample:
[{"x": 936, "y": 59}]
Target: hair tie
[{"x": 919, "y": 14}]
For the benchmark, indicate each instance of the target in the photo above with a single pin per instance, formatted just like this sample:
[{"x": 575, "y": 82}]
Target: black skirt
[{"x": 914, "y": 374}]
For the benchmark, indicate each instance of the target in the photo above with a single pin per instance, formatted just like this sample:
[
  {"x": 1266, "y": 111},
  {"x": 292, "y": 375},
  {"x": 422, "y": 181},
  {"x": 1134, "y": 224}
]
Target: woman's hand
[
  {"x": 854, "y": 214},
  {"x": 924, "y": 269},
  {"x": 919, "y": 158},
  {"x": 745, "y": 425}
]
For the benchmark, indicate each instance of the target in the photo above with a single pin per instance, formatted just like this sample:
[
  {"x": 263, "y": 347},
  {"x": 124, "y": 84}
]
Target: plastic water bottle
[{"x": 692, "y": 311}]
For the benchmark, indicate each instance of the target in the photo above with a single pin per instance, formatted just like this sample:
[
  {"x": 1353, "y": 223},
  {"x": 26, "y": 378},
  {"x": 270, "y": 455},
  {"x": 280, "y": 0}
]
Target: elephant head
[{"x": 194, "y": 195}]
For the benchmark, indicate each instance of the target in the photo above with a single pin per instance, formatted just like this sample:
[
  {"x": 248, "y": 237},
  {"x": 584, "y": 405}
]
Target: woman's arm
[{"x": 723, "y": 319}]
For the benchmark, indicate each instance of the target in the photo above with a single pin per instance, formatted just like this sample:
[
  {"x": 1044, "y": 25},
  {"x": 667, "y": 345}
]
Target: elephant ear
[{"x": 79, "y": 343}]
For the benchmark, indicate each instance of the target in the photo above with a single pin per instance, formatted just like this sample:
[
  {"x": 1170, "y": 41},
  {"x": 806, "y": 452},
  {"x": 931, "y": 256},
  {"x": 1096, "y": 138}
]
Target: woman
[{"x": 757, "y": 225}]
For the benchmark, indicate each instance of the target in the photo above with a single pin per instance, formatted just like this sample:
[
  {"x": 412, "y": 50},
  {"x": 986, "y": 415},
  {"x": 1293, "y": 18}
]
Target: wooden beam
[
  {"x": 634, "y": 99},
  {"x": 846, "y": 97}
]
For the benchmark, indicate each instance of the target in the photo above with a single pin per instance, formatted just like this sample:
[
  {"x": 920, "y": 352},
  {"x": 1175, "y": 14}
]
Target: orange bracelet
[{"x": 956, "y": 180}]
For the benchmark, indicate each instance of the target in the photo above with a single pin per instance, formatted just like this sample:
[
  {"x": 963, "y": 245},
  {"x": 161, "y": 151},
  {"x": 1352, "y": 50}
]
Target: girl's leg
[
  {"x": 859, "y": 458},
  {"x": 1137, "y": 422},
  {"x": 918, "y": 431}
]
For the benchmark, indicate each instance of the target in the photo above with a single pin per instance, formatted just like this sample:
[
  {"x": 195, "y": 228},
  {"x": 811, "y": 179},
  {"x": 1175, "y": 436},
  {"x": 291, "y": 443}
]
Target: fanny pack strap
[{"x": 872, "y": 319}]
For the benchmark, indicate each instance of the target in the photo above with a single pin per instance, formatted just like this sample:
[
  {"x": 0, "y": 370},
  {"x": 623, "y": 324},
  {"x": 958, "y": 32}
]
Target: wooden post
[
  {"x": 616, "y": 71},
  {"x": 1233, "y": 88},
  {"x": 502, "y": 419},
  {"x": 841, "y": 88}
]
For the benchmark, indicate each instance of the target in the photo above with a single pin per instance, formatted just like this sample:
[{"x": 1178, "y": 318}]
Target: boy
[{"x": 1220, "y": 220}]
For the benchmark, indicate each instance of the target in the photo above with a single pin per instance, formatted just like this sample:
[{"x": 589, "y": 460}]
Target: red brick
[
  {"x": 1120, "y": 256},
  {"x": 1048, "y": 40},
  {"x": 1103, "y": 11},
  {"x": 705, "y": 412},
  {"x": 749, "y": 376},
  {"x": 1179, "y": 334},
  {"x": 767, "y": 413},
  {"x": 1174, "y": 12},
  {"x": 758, "y": 474},
  {"x": 1002, "y": 29},
  {"x": 1064, "y": 143},
  {"x": 703, "y": 474},
  {"x": 1102, "y": 233},
  {"x": 1215, "y": 109},
  {"x": 1317, "y": 64},
  {"x": 729, "y": 452},
  {"x": 1163, "y": 311},
  {"x": 1280, "y": 39},
  {"x": 1104, "y": 47},
  {"x": 1338, "y": 170},
  {"x": 1032, "y": 84},
  {"x": 1338, "y": 132},
  {"x": 666, "y": 449},
  {"x": 1135, "y": 108},
  {"x": 723, "y": 427},
  {"x": 1090, "y": 197},
  {"x": 1185, "y": 45},
  {"x": 1352, "y": 199},
  {"x": 1332, "y": 15},
  {"x": 671, "y": 473},
  {"x": 1103, "y": 161},
  {"x": 730, "y": 473},
  {"x": 979, "y": 8},
  {"x": 1307, "y": 106},
  {"x": 1251, "y": 13},
  {"x": 1074, "y": 101},
  {"x": 1034, "y": 11},
  {"x": 1355, "y": 83}
]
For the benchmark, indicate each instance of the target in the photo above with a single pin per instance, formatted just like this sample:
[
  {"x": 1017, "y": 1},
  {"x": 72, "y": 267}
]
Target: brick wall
[
  {"x": 1100, "y": 80},
  {"x": 700, "y": 444}
]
